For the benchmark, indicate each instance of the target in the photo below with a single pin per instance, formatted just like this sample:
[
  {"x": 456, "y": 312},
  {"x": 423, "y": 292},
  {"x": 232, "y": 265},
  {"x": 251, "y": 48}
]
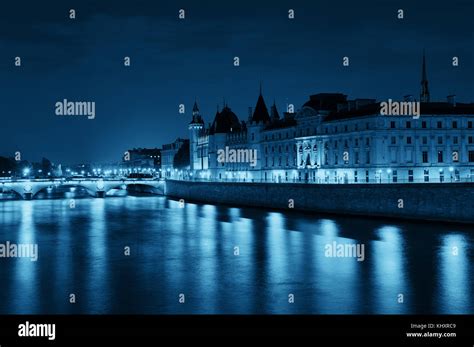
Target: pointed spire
[
  {"x": 423, "y": 73},
  {"x": 260, "y": 88},
  {"x": 425, "y": 93},
  {"x": 274, "y": 111},
  {"x": 260, "y": 113},
  {"x": 195, "y": 108}
]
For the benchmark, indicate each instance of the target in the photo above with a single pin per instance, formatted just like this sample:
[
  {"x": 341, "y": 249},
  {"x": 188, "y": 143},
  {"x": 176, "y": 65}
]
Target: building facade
[
  {"x": 335, "y": 140},
  {"x": 168, "y": 153}
]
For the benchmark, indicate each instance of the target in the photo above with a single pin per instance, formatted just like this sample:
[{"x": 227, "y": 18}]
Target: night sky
[{"x": 177, "y": 61}]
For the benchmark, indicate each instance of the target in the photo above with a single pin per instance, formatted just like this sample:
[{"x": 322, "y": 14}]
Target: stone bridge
[{"x": 98, "y": 187}]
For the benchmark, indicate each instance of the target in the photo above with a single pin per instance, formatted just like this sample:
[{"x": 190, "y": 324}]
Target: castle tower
[
  {"x": 195, "y": 128},
  {"x": 259, "y": 120}
]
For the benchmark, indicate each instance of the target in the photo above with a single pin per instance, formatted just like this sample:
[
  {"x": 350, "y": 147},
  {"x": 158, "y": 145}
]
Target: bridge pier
[
  {"x": 100, "y": 194},
  {"x": 28, "y": 196}
]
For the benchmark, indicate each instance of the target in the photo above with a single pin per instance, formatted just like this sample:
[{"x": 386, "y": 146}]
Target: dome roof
[{"x": 225, "y": 121}]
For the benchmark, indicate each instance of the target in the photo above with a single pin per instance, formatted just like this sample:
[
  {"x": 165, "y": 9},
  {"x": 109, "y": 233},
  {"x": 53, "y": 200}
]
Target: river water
[{"x": 220, "y": 259}]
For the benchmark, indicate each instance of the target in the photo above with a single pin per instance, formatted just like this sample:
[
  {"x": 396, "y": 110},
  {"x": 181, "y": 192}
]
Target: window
[
  {"x": 456, "y": 175},
  {"x": 455, "y": 125},
  {"x": 408, "y": 140},
  {"x": 439, "y": 124},
  {"x": 423, "y": 124},
  {"x": 393, "y": 140},
  {"x": 366, "y": 176},
  {"x": 367, "y": 126},
  {"x": 470, "y": 139},
  {"x": 355, "y": 176},
  {"x": 392, "y": 125},
  {"x": 440, "y": 140},
  {"x": 469, "y": 124},
  {"x": 367, "y": 141},
  {"x": 335, "y": 159},
  {"x": 426, "y": 175},
  {"x": 367, "y": 157},
  {"x": 441, "y": 175},
  {"x": 424, "y": 140},
  {"x": 408, "y": 125},
  {"x": 471, "y": 156},
  {"x": 395, "y": 176},
  {"x": 424, "y": 157},
  {"x": 357, "y": 157},
  {"x": 346, "y": 144},
  {"x": 440, "y": 156},
  {"x": 410, "y": 175},
  {"x": 455, "y": 140},
  {"x": 356, "y": 142},
  {"x": 345, "y": 128}
]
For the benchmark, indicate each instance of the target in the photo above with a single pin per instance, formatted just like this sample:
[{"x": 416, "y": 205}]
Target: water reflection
[
  {"x": 454, "y": 281},
  {"x": 226, "y": 260},
  {"x": 25, "y": 270},
  {"x": 388, "y": 259}
]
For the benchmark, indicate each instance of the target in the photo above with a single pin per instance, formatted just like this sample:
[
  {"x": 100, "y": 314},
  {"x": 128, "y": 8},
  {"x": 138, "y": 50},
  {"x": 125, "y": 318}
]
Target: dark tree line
[{"x": 11, "y": 167}]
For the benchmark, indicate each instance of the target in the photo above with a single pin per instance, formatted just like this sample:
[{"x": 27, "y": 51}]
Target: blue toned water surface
[{"x": 191, "y": 251}]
